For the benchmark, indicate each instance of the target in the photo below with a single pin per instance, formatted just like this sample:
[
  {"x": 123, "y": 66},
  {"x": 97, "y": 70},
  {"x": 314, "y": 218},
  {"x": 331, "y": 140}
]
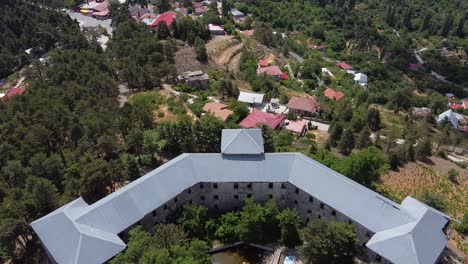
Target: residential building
[
  {"x": 200, "y": 10},
  {"x": 137, "y": 12},
  {"x": 297, "y": 126},
  {"x": 361, "y": 79},
  {"x": 216, "y": 29},
  {"x": 421, "y": 112},
  {"x": 332, "y": 94},
  {"x": 464, "y": 103},
  {"x": 97, "y": 9},
  {"x": 327, "y": 72},
  {"x": 262, "y": 64},
  {"x": 344, "y": 66},
  {"x": 273, "y": 71},
  {"x": 303, "y": 106},
  {"x": 167, "y": 17},
  {"x": 257, "y": 117},
  {"x": 236, "y": 13},
  {"x": 218, "y": 110},
  {"x": 453, "y": 118},
  {"x": 195, "y": 78},
  {"x": 406, "y": 233},
  {"x": 251, "y": 98}
]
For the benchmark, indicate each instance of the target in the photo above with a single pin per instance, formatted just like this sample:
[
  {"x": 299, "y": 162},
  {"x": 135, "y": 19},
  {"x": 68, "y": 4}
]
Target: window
[
  {"x": 139, "y": 223},
  {"x": 363, "y": 245},
  {"x": 216, "y": 197},
  {"x": 154, "y": 213},
  {"x": 367, "y": 234},
  {"x": 189, "y": 190},
  {"x": 297, "y": 191},
  {"x": 270, "y": 185},
  {"x": 270, "y": 196},
  {"x": 216, "y": 207},
  {"x": 249, "y": 186},
  {"x": 309, "y": 211},
  {"x": 236, "y": 186},
  {"x": 190, "y": 202},
  {"x": 322, "y": 206},
  {"x": 378, "y": 258},
  {"x": 165, "y": 207},
  {"x": 175, "y": 200},
  {"x": 283, "y": 186},
  {"x": 202, "y": 197},
  {"x": 215, "y": 185},
  {"x": 249, "y": 195},
  {"x": 350, "y": 222},
  {"x": 333, "y": 213},
  {"x": 236, "y": 196},
  {"x": 202, "y": 186},
  {"x": 319, "y": 216},
  {"x": 307, "y": 220},
  {"x": 295, "y": 202},
  {"x": 311, "y": 199}
]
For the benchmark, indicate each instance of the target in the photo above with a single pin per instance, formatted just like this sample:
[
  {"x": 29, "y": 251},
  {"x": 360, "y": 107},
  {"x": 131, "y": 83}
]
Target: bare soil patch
[{"x": 186, "y": 60}]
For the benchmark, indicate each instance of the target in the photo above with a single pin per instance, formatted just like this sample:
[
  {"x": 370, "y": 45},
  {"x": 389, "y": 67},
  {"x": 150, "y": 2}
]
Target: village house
[
  {"x": 200, "y": 10},
  {"x": 218, "y": 110},
  {"x": 303, "y": 106},
  {"x": 194, "y": 78},
  {"x": 344, "y": 66},
  {"x": 327, "y": 72},
  {"x": 257, "y": 117},
  {"x": 361, "y": 79},
  {"x": 139, "y": 13},
  {"x": 12, "y": 92},
  {"x": 167, "y": 17},
  {"x": 332, "y": 94},
  {"x": 455, "y": 119},
  {"x": 236, "y": 13},
  {"x": 273, "y": 71},
  {"x": 421, "y": 112},
  {"x": 251, "y": 98},
  {"x": 216, "y": 29},
  {"x": 453, "y": 105},
  {"x": 297, "y": 126},
  {"x": 98, "y": 9}
]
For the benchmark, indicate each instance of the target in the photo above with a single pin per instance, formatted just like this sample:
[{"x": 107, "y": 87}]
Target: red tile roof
[
  {"x": 284, "y": 76},
  {"x": 332, "y": 94},
  {"x": 343, "y": 65},
  {"x": 415, "y": 66},
  {"x": 218, "y": 110},
  {"x": 263, "y": 63},
  {"x": 167, "y": 18},
  {"x": 270, "y": 70},
  {"x": 15, "y": 91},
  {"x": 456, "y": 106},
  {"x": 259, "y": 117},
  {"x": 303, "y": 104}
]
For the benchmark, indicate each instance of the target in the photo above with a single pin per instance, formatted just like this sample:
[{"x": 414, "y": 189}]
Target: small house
[
  {"x": 303, "y": 106},
  {"x": 327, "y": 72},
  {"x": 167, "y": 18},
  {"x": 273, "y": 71},
  {"x": 194, "y": 78},
  {"x": 298, "y": 126},
  {"x": 332, "y": 94},
  {"x": 257, "y": 117},
  {"x": 361, "y": 79},
  {"x": 251, "y": 98},
  {"x": 344, "y": 66},
  {"x": 215, "y": 29},
  {"x": 421, "y": 112},
  {"x": 218, "y": 110},
  {"x": 236, "y": 13},
  {"x": 452, "y": 117}
]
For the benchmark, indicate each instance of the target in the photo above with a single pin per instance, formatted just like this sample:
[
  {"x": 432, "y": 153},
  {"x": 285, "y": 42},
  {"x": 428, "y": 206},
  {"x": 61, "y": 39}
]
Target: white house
[
  {"x": 361, "y": 79},
  {"x": 216, "y": 29},
  {"x": 326, "y": 71},
  {"x": 452, "y": 117},
  {"x": 251, "y": 98}
]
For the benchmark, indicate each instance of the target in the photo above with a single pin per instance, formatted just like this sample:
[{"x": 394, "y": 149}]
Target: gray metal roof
[
  {"x": 81, "y": 233},
  {"x": 242, "y": 141},
  {"x": 250, "y": 97}
]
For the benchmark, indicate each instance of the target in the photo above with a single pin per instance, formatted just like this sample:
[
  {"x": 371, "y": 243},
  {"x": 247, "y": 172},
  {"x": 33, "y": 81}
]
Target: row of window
[{"x": 236, "y": 186}]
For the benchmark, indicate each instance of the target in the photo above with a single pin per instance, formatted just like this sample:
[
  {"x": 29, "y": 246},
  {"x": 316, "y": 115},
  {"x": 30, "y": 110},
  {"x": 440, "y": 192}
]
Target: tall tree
[
  {"x": 426, "y": 25},
  {"x": 461, "y": 24},
  {"x": 346, "y": 143},
  {"x": 447, "y": 25}
]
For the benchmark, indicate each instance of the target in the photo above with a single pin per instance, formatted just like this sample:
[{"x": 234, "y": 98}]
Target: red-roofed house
[
  {"x": 344, "y": 66},
  {"x": 332, "y": 94},
  {"x": 218, "y": 110},
  {"x": 284, "y": 76},
  {"x": 465, "y": 103},
  {"x": 303, "y": 106},
  {"x": 273, "y": 71},
  {"x": 298, "y": 126},
  {"x": 259, "y": 117},
  {"x": 95, "y": 8},
  {"x": 262, "y": 63},
  {"x": 167, "y": 18},
  {"x": 15, "y": 91}
]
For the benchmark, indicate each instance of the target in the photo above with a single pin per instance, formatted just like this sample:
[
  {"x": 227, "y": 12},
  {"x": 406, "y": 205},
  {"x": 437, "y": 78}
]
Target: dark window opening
[
  {"x": 309, "y": 211},
  {"x": 297, "y": 191},
  {"x": 202, "y": 197},
  {"x": 295, "y": 202},
  {"x": 216, "y": 197},
  {"x": 175, "y": 200},
  {"x": 350, "y": 222},
  {"x": 154, "y": 213},
  {"x": 165, "y": 207},
  {"x": 333, "y": 212},
  {"x": 378, "y": 258},
  {"x": 311, "y": 199},
  {"x": 270, "y": 185},
  {"x": 283, "y": 186},
  {"x": 319, "y": 216},
  {"x": 322, "y": 206},
  {"x": 190, "y": 202},
  {"x": 236, "y": 186},
  {"x": 249, "y": 186},
  {"x": 189, "y": 190},
  {"x": 202, "y": 185},
  {"x": 249, "y": 195},
  {"x": 270, "y": 196},
  {"x": 367, "y": 234},
  {"x": 215, "y": 185},
  {"x": 216, "y": 207},
  {"x": 307, "y": 220},
  {"x": 236, "y": 196}
]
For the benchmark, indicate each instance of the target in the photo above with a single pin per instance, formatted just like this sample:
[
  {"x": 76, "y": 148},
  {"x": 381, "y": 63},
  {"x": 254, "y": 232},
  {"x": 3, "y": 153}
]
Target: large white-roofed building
[{"x": 80, "y": 233}]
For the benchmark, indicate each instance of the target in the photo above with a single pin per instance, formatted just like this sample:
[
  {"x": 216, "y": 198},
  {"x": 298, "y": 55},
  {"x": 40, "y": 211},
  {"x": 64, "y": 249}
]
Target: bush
[
  {"x": 453, "y": 175},
  {"x": 463, "y": 227},
  {"x": 436, "y": 201},
  {"x": 441, "y": 153}
]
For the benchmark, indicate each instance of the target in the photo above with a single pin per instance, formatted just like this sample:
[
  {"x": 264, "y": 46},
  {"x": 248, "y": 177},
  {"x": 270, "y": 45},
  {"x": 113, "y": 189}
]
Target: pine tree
[
  {"x": 346, "y": 143},
  {"x": 426, "y": 25},
  {"x": 351, "y": 4},
  {"x": 407, "y": 18},
  {"x": 447, "y": 25},
  {"x": 461, "y": 25},
  {"x": 390, "y": 18},
  {"x": 201, "y": 50}
]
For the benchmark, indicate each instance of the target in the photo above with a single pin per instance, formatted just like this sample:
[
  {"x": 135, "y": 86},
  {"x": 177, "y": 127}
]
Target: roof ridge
[{"x": 259, "y": 148}]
